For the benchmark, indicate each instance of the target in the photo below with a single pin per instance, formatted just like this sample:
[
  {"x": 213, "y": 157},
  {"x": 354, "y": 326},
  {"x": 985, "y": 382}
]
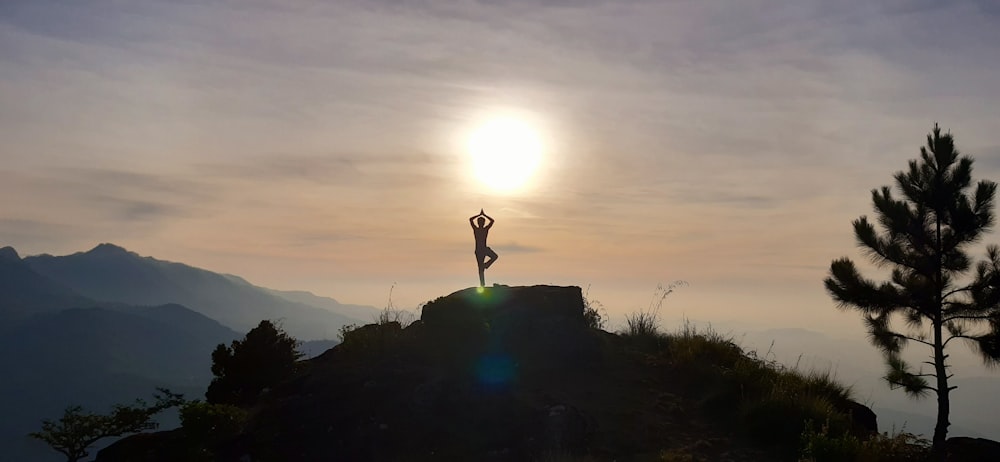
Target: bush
[
  {"x": 205, "y": 421},
  {"x": 779, "y": 420},
  {"x": 207, "y": 425},
  {"x": 822, "y": 445},
  {"x": 266, "y": 356}
]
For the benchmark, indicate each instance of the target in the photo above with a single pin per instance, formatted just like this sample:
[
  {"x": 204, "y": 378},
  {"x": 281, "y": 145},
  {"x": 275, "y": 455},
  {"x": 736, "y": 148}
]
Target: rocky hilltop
[{"x": 502, "y": 373}]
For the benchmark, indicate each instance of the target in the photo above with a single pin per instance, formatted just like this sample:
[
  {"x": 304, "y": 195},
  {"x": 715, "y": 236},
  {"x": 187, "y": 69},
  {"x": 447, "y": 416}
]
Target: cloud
[
  {"x": 514, "y": 247},
  {"x": 708, "y": 135},
  {"x": 90, "y": 202},
  {"x": 351, "y": 169}
]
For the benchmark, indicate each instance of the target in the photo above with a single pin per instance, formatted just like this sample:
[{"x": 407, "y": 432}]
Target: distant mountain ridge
[
  {"x": 113, "y": 274},
  {"x": 24, "y": 293}
]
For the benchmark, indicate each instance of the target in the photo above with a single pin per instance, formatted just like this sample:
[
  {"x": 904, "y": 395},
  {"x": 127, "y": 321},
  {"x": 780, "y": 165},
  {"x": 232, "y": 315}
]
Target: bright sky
[{"x": 322, "y": 145}]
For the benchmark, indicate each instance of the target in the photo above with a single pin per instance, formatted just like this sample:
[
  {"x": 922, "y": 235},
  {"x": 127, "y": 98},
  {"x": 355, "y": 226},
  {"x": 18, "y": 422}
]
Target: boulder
[
  {"x": 863, "y": 419},
  {"x": 963, "y": 448},
  {"x": 504, "y": 305}
]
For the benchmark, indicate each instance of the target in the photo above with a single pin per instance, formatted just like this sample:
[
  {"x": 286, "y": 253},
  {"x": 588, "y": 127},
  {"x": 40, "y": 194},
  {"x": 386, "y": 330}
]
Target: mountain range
[
  {"x": 111, "y": 273},
  {"x": 108, "y": 326}
]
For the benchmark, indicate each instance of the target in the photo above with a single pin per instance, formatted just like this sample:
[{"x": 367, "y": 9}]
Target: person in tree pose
[{"x": 482, "y": 250}]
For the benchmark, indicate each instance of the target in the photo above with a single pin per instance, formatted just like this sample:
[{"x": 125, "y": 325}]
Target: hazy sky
[{"x": 318, "y": 145}]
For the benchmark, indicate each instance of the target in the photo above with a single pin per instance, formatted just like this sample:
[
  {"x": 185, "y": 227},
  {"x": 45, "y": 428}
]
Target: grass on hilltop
[{"x": 795, "y": 414}]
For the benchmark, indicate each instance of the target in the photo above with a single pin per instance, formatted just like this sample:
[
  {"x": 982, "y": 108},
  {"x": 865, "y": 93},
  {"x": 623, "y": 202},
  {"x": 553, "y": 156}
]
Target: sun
[{"x": 505, "y": 152}]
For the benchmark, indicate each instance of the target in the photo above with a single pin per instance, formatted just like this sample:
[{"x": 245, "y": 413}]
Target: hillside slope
[{"x": 511, "y": 373}]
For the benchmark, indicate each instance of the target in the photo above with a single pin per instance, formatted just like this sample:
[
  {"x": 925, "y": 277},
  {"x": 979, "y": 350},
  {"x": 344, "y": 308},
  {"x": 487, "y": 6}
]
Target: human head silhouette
[{"x": 481, "y": 221}]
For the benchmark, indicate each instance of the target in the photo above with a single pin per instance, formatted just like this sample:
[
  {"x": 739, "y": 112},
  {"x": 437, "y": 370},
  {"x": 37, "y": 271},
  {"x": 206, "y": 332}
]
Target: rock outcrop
[{"x": 962, "y": 449}]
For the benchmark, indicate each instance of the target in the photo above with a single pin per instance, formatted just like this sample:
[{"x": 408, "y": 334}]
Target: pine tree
[{"x": 924, "y": 237}]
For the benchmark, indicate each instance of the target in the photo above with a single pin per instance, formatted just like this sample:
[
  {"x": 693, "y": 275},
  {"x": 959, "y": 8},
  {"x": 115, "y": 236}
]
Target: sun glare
[{"x": 505, "y": 152}]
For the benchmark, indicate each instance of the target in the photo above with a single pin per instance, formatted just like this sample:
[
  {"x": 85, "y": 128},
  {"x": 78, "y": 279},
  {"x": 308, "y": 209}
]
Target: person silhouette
[{"x": 482, "y": 250}]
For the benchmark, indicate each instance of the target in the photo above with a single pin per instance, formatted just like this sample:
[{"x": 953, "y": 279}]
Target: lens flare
[{"x": 495, "y": 370}]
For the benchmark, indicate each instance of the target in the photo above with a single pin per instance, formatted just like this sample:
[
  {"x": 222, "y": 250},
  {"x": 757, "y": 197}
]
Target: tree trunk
[{"x": 944, "y": 405}]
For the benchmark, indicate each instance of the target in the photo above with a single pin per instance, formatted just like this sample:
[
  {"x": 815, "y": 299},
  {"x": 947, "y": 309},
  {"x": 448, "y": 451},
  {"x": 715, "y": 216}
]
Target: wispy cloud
[
  {"x": 514, "y": 247},
  {"x": 712, "y": 135}
]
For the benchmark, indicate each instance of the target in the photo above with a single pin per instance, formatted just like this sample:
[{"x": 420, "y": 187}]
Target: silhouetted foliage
[
  {"x": 264, "y": 357},
  {"x": 76, "y": 431},
  {"x": 646, "y": 323},
  {"x": 207, "y": 425},
  {"x": 389, "y": 314},
  {"x": 763, "y": 400},
  {"x": 923, "y": 239},
  {"x": 593, "y": 312},
  {"x": 823, "y": 445}
]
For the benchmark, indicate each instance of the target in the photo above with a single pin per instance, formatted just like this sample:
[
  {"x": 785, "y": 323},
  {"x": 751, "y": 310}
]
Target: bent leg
[{"x": 493, "y": 257}]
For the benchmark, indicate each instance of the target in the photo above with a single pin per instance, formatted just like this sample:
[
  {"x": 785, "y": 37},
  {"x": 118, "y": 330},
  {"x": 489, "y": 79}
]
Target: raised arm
[
  {"x": 490, "y": 224},
  {"x": 472, "y": 221}
]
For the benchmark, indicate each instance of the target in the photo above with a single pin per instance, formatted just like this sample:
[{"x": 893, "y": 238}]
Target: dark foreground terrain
[{"x": 518, "y": 373}]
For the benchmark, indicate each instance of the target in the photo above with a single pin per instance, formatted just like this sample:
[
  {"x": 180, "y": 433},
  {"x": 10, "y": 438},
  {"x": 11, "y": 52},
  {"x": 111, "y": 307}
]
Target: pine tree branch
[
  {"x": 907, "y": 337},
  {"x": 953, "y": 337},
  {"x": 899, "y": 384},
  {"x": 984, "y": 317},
  {"x": 955, "y": 291}
]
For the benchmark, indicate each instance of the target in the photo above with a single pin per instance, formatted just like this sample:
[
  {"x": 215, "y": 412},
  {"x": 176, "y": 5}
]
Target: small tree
[
  {"x": 923, "y": 239},
  {"x": 264, "y": 357},
  {"x": 74, "y": 433}
]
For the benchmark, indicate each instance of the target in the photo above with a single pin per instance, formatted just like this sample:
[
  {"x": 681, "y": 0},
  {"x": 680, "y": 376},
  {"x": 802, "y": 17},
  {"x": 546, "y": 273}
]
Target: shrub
[
  {"x": 206, "y": 425},
  {"x": 205, "y": 421},
  {"x": 822, "y": 445},
  {"x": 593, "y": 312},
  {"x": 266, "y": 356},
  {"x": 779, "y": 420}
]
